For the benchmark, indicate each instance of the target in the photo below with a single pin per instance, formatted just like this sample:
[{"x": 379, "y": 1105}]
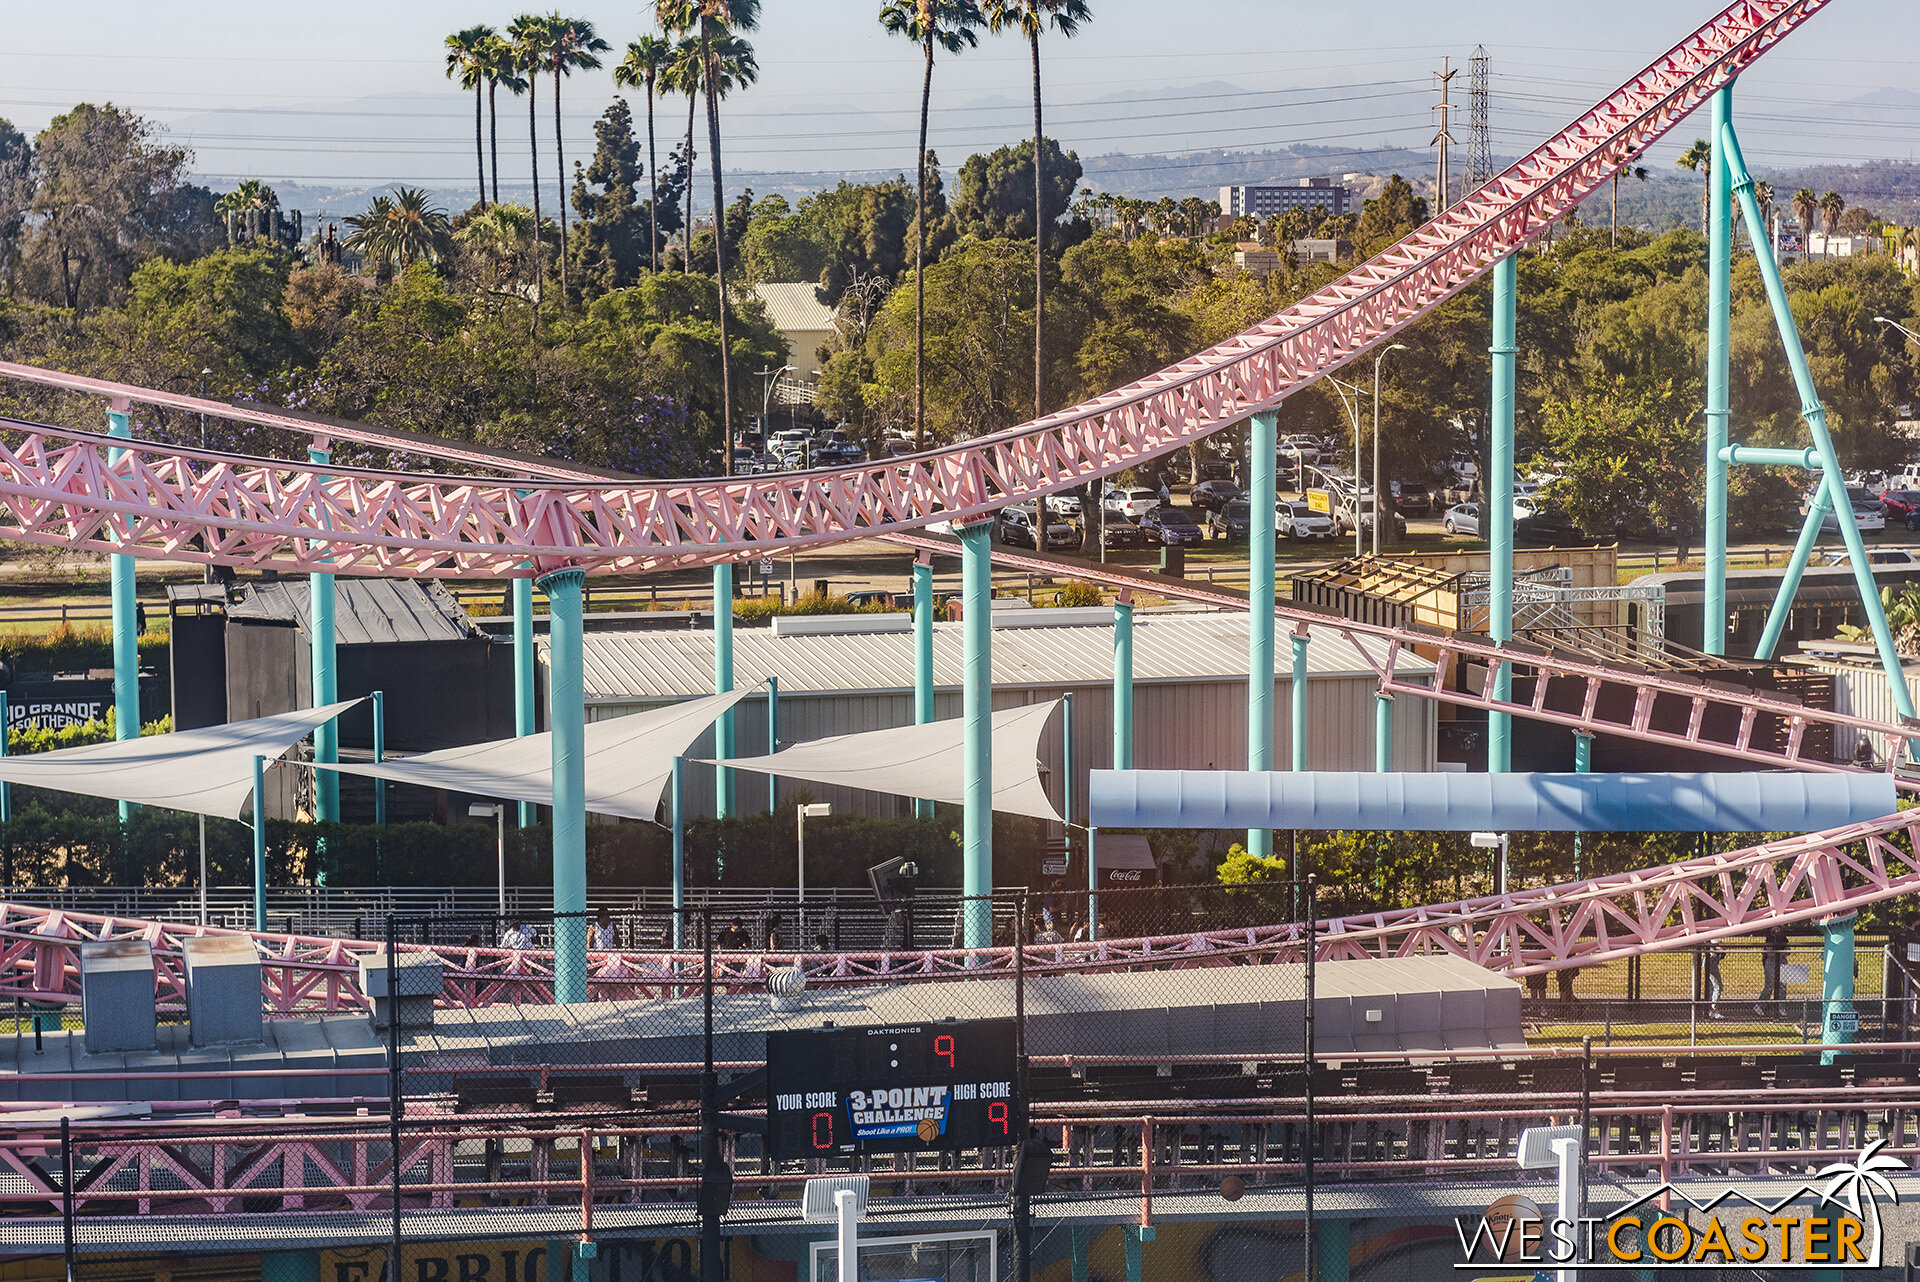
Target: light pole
[
  {"x": 496, "y": 811},
  {"x": 1894, "y": 324},
  {"x": 1353, "y": 412},
  {"x": 1378, "y": 500},
  {"x": 771, "y": 376},
  {"x": 818, "y": 810}
]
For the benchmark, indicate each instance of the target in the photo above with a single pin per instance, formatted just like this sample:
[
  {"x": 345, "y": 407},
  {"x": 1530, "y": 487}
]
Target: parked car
[
  {"x": 1171, "y": 526},
  {"x": 1064, "y": 505},
  {"x": 1360, "y": 511},
  {"x": 1118, "y": 534},
  {"x": 1233, "y": 522},
  {"x": 1875, "y": 556},
  {"x": 1411, "y": 498},
  {"x": 1870, "y": 519},
  {"x": 1462, "y": 518},
  {"x": 871, "y": 597},
  {"x": 1214, "y": 469},
  {"x": 1547, "y": 527},
  {"x": 1131, "y": 502},
  {"x": 1901, "y": 503},
  {"x": 1015, "y": 529},
  {"x": 1210, "y": 496},
  {"x": 1304, "y": 449},
  {"x": 1298, "y": 521}
]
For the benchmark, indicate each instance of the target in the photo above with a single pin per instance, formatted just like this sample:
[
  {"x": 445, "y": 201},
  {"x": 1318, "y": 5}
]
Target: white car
[
  {"x": 1869, "y": 519},
  {"x": 1298, "y": 521},
  {"x": 1875, "y": 556},
  {"x": 1303, "y": 448},
  {"x": 1067, "y": 505},
  {"x": 1132, "y": 503}
]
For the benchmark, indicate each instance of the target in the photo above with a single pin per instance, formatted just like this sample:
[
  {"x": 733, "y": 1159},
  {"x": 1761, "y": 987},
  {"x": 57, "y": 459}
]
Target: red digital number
[
  {"x": 997, "y": 1112},
  {"x": 943, "y": 1045},
  {"x": 819, "y": 1118}
]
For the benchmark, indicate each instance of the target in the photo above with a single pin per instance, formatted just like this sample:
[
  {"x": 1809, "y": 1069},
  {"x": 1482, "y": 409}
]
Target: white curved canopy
[
  {"x": 925, "y": 761},
  {"x": 203, "y": 772},
  {"x": 629, "y": 760}
]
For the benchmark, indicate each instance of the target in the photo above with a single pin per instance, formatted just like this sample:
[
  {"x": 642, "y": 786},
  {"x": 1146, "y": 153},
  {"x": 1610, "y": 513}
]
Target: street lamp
[
  {"x": 1353, "y": 412},
  {"x": 1494, "y": 841},
  {"x": 1378, "y": 515},
  {"x": 816, "y": 810},
  {"x": 771, "y": 376},
  {"x": 1882, "y": 320},
  {"x": 496, "y": 811}
]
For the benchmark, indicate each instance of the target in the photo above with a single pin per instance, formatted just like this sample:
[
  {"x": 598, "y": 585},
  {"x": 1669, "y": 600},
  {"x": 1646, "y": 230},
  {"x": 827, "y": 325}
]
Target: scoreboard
[{"x": 940, "y": 1086}]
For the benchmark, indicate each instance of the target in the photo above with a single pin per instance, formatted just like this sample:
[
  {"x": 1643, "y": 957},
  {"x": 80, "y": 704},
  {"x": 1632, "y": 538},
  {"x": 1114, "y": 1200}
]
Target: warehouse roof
[
  {"x": 794, "y": 306},
  {"x": 365, "y": 611},
  {"x": 623, "y": 666}
]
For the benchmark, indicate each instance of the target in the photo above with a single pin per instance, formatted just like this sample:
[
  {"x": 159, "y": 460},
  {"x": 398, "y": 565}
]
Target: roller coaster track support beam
[
  {"x": 723, "y": 682},
  {"x": 567, "y": 715},
  {"x": 126, "y": 617},
  {"x": 524, "y": 720},
  {"x": 1123, "y": 682},
  {"x": 1837, "y": 1017},
  {"x": 1297, "y": 695},
  {"x": 1816, "y": 415},
  {"x": 1719, "y": 374},
  {"x": 324, "y": 682},
  {"x": 1497, "y": 502},
  {"x": 976, "y": 697},
  {"x": 1262, "y": 459},
  {"x": 922, "y": 659}
]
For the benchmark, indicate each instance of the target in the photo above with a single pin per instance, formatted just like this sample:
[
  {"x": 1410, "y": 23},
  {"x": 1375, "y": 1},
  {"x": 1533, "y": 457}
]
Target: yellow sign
[{"x": 1320, "y": 501}]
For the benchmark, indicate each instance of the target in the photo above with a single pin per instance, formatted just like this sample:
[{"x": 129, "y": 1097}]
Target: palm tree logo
[{"x": 1854, "y": 1183}]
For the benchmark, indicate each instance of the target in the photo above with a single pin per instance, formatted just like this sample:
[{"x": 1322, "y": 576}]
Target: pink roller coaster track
[{"x": 72, "y": 488}]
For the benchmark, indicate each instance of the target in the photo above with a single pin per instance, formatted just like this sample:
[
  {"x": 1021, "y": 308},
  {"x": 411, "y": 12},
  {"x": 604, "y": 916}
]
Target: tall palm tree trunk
[
  {"x": 653, "y": 191},
  {"x": 687, "y": 231},
  {"x": 493, "y": 135},
  {"x": 479, "y": 152},
  {"x": 533, "y": 138},
  {"x": 560, "y": 181},
  {"x": 719, "y": 244},
  {"x": 920, "y": 261}
]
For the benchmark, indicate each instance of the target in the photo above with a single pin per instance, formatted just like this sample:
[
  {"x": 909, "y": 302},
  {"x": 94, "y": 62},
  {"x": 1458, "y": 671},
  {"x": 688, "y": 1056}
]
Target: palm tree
[
  {"x": 1763, "y": 197},
  {"x": 953, "y": 25},
  {"x": 717, "y": 20},
  {"x": 572, "y": 46},
  {"x": 467, "y": 61},
  {"x": 1030, "y": 18},
  {"x": 1832, "y": 206},
  {"x": 372, "y": 236},
  {"x": 502, "y": 234},
  {"x": 532, "y": 37},
  {"x": 416, "y": 229},
  {"x": 1699, "y": 158},
  {"x": 503, "y": 72},
  {"x": 646, "y": 59},
  {"x": 1805, "y": 206},
  {"x": 682, "y": 75}
]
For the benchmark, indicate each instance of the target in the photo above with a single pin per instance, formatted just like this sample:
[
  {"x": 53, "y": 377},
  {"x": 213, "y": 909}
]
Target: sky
[{"x": 353, "y": 95}]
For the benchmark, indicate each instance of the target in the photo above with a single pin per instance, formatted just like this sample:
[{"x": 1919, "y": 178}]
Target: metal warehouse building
[{"x": 838, "y": 675}]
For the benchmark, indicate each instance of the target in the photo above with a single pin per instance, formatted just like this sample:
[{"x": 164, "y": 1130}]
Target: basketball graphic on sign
[{"x": 929, "y": 1130}]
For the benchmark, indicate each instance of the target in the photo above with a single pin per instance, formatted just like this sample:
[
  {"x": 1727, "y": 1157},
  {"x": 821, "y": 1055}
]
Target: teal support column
[
  {"x": 773, "y": 740},
  {"x": 290, "y": 1266},
  {"x": 1136, "y": 1236},
  {"x": 567, "y": 715},
  {"x": 126, "y": 618},
  {"x": 1297, "y": 696},
  {"x": 678, "y": 799},
  {"x": 324, "y": 680},
  {"x": 524, "y": 721},
  {"x": 1261, "y": 462},
  {"x": 1582, "y": 764},
  {"x": 1123, "y": 685},
  {"x": 556, "y": 1261},
  {"x": 1066, "y": 759},
  {"x": 1093, "y": 882},
  {"x": 1719, "y": 374},
  {"x": 723, "y": 682},
  {"x": 1498, "y": 505},
  {"x": 1816, "y": 415},
  {"x": 1382, "y": 733},
  {"x": 1837, "y": 1017},
  {"x": 976, "y": 690},
  {"x": 379, "y": 755},
  {"x": 1783, "y": 597},
  {"x": 259, "y": 843},
  {"x": 922, "y": 661},
  {"x": 6, "y": 789},
  {"x": 1332, "y": 1249},
  {"x": 1080, "y": 1239}
]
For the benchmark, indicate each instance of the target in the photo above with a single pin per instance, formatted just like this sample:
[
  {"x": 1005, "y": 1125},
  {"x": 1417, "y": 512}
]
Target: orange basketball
[{"x": 1233, "y": 1188}]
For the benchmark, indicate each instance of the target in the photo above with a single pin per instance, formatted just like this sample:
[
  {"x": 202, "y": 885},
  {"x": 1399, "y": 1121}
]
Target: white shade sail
[
  {"x": 629, "y": 760},
  {"x": 925, "y": 761},
  {"x": 204, "y": 772}
]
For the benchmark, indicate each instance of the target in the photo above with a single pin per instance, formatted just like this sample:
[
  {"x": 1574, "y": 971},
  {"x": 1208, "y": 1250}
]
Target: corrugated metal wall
[
  {"x": 1860, "y": 690},
  {"x": 1197, "y": 725}
]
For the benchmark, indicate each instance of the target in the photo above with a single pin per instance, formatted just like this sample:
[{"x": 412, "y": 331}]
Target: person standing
[
  {"x": 1773, "y": 955},
  {"x": 602, "y": 936},
  {"x": 1711, "y": 957}
]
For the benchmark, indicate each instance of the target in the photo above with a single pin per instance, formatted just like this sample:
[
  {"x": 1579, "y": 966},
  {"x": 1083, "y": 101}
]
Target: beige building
[{"x": 806, "y": 322}]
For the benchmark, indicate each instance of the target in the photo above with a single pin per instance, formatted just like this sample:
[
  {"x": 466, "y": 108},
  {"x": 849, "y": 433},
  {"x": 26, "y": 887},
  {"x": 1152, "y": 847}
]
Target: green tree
[
  {"x": 1030, "y": 18},
  {"x": 646, "y": 60},
  {"x": 532, "y": 38},
  {"x": 1631, "y": 457},
  {"x": 502, "y": 238},
  {"x": 682, "y": 75},
  {"x": 952, "y": 25},
  {"x": 467, "y": 61},
  {"x": 572, "y": 45},
  {"x": 1388, "y": 217},
  {"x": 612, "y": 223},
  {"x": 220, "y": 312},
  {"x": 1832, "y": 206},
  {"x": 1699, "y": 159},
  {"x": 1806, "y": 207},
  {"x": 501, "y": 65},
  {"x": 993, "y": 200}
]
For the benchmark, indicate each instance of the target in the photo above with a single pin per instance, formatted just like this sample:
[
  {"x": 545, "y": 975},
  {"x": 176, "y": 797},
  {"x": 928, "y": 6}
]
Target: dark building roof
[{"x": 365, "y": 611}]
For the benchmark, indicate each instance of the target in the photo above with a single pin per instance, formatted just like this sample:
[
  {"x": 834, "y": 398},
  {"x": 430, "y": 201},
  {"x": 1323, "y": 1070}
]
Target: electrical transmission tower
[
  {"x": 1479, "y": 136},
  {"x": 1445, "y": 76}
]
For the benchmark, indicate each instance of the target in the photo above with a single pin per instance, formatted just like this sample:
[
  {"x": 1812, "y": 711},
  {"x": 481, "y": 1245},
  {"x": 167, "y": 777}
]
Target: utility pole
[
  {"x": 1479, "y": 131},
  {"x": 1445, "y": 76}
]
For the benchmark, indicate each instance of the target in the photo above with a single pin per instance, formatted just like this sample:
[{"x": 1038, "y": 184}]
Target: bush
[
  {"x": 1079, "y": 595},
  {"x": 70, "y": 649}
]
